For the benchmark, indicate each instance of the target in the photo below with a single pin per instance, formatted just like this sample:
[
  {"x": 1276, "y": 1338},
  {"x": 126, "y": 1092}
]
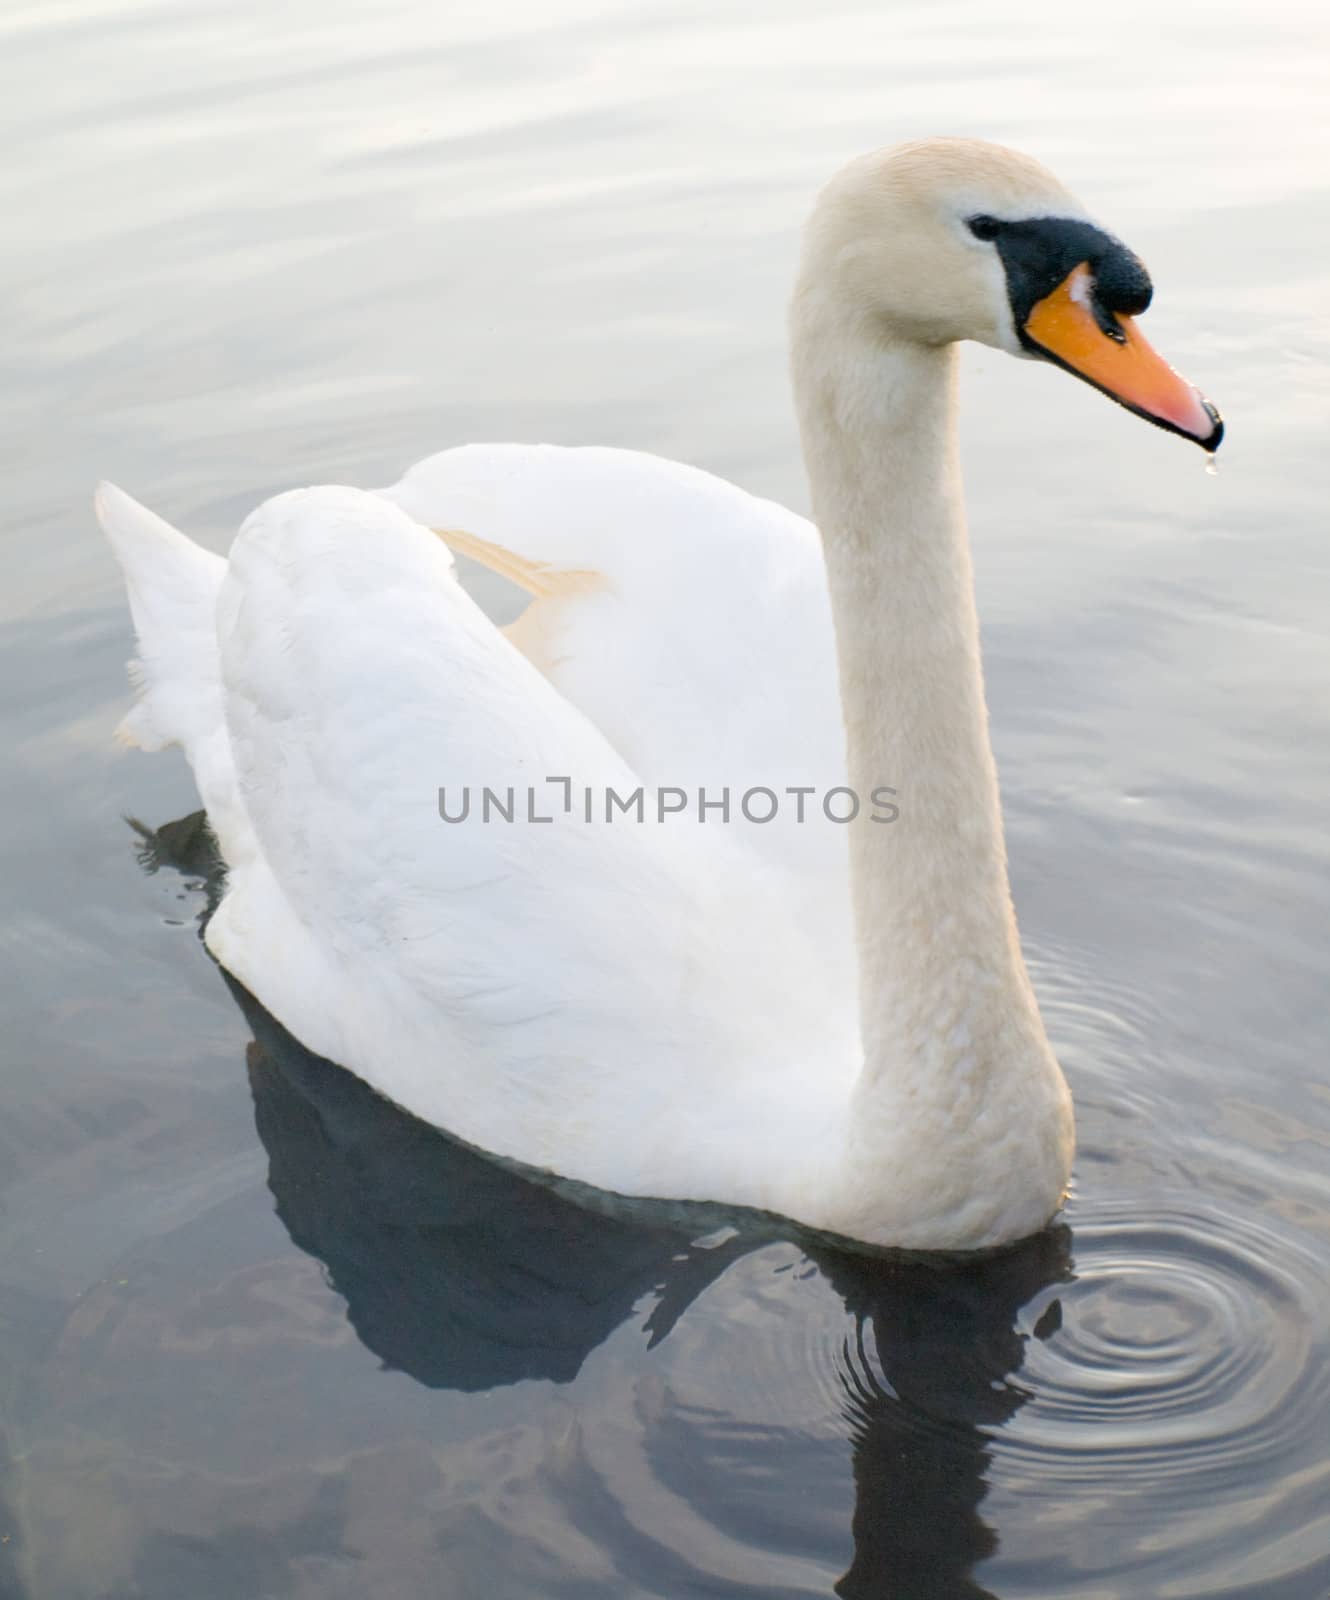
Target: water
[{"x": 260, "y": 1336}]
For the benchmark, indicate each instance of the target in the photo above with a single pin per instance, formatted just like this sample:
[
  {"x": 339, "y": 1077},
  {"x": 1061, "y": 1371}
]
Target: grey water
[{"x": 260, "y": 1335}]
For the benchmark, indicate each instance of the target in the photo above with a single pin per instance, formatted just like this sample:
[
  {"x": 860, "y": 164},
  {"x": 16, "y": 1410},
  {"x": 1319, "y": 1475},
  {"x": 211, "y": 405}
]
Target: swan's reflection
[
  {"x": 947, "y": 1344},
  {"x": 455, "y": 1270},
  {"x": 467, "y": 1276}
]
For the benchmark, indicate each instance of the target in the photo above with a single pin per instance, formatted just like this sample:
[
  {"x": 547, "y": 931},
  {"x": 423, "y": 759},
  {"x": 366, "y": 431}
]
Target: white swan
[{"x": 829, "y": 1022}]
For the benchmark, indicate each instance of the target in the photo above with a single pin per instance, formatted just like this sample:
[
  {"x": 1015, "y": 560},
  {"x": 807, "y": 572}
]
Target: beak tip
[{"x": 1215, "y": 437}]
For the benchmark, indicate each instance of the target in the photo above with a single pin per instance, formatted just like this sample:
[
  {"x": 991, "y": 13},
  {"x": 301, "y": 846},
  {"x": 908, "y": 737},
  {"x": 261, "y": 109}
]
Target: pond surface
[{"x": 262, "y": 1336}]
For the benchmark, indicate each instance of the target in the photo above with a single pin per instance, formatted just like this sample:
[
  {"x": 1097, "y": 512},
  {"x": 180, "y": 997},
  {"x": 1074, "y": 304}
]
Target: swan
[{"x": 829, "y": 1020}]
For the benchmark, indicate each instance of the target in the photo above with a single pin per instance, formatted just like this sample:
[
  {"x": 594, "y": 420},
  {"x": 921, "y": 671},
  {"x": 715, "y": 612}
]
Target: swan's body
[{"x": 830, "y": 1022}]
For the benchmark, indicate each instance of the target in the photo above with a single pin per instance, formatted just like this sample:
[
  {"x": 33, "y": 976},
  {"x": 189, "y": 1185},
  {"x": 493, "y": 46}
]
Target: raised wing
[{"x": 688, "y": 620}]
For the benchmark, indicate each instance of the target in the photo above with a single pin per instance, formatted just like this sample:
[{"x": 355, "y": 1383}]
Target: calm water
[{"x": 262, "y": 1336}]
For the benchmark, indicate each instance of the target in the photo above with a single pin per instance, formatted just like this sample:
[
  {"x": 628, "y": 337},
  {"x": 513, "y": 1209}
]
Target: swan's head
[{"x": 948, "y": 239}]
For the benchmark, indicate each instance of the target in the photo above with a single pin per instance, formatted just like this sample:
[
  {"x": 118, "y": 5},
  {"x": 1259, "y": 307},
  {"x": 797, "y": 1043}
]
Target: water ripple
[{"x": 1191, "y": 1348}]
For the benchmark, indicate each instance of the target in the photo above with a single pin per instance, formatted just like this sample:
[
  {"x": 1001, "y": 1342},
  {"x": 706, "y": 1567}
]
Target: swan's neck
[{"x": 951, "y": 1034}]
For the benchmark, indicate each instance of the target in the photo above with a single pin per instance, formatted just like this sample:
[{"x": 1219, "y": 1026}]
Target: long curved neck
[{"x": 944, "y": 998}]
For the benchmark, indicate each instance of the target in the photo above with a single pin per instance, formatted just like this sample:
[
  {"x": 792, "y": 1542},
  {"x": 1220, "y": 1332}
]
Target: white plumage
[{"x": 621, "y": 972}]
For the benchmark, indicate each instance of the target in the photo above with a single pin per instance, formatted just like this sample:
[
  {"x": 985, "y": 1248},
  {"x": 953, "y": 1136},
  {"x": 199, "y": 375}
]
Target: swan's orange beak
[{"x": 1109, "y": 351}]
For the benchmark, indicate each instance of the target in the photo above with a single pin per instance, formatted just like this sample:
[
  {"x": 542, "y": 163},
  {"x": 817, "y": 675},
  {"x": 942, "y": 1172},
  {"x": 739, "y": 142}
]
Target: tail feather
[{"x": 173, "y": 586}]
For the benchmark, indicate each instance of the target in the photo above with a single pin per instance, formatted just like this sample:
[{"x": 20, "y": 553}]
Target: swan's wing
[
  {"x": 532, "y": 986},
  {"x": 689, "y": 620}
]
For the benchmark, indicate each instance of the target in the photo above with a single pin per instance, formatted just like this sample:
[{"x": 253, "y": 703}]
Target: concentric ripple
[
  {"x": 1177, "y": 1386},
  {"x": 1191, "y": 1341}
]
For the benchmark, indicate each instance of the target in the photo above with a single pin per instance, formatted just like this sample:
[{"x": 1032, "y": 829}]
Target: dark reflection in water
[
  {"x": 454, "y": 1270},
  {"x": 468, "y": 1276},
  {"x": 947, "y": 1350}
]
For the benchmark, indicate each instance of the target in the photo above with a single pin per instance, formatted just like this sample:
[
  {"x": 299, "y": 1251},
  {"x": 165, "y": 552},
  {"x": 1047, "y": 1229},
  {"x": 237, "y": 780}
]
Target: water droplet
[{"x": 1211, "y": 465}]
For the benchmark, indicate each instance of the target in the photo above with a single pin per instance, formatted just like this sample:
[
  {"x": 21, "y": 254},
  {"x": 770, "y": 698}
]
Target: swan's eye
[{"x": 984, "y": 227}]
